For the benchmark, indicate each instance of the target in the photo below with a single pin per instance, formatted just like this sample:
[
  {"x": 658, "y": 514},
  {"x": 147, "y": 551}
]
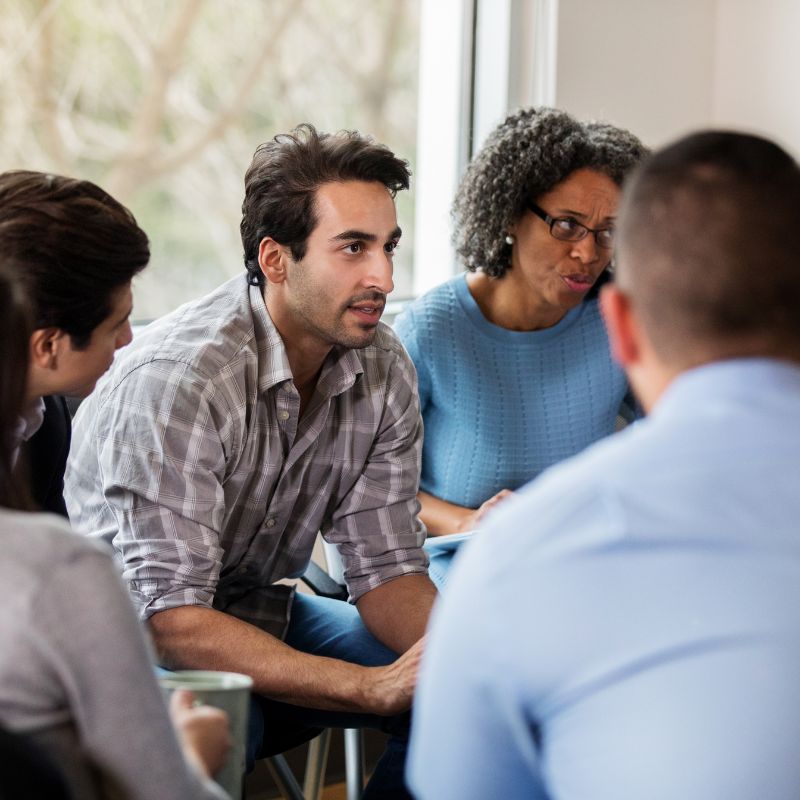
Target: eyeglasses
[{"x": 568, "y": 229}]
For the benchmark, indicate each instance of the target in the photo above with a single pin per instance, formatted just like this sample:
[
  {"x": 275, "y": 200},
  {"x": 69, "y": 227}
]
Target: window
[{"x": 163, "y": 104}]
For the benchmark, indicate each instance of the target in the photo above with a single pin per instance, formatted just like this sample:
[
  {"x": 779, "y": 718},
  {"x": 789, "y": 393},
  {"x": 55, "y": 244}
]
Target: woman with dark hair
[
  {"x": 75, "y": 672},
  {"x": 512, "y": 357}
]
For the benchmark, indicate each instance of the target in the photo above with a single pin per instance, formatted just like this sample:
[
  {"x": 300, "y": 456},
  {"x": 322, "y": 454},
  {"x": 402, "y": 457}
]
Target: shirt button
[
  {"x": 242, "y": 570},
  {"x": 271, "y": 522},
  {"x": 284, "y": 415}
]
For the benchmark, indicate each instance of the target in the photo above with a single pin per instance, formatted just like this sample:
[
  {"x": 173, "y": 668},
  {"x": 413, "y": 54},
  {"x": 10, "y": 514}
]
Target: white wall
[
  {"x": 646, "y": 65},
  {"x": 757, "y": 68},
  {"x": 663, "y": 68}
]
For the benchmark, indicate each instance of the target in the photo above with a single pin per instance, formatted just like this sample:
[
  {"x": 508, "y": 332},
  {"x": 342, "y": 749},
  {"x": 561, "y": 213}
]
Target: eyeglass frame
[{"x": 551, "y": 221}]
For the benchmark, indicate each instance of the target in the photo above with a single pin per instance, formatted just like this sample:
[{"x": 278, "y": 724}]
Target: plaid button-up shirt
[{"x": 192, "y": 461}]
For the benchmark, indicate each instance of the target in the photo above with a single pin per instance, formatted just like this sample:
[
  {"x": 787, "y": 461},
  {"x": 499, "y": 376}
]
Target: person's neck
[
  {"x": 504, "y": 304},
  {"x": 305, "y": 373},
  {"x": 305, "y": 353}
]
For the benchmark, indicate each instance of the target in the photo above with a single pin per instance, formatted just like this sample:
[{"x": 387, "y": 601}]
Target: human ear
[
  {"x": 45, "y": 345},
  {"x": 621, "y": 324},
  {"x": 272, "y": 260}
]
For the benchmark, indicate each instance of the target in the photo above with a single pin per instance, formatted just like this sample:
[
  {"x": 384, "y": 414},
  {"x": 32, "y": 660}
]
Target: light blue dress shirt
[{"x": 628, "y": 626}]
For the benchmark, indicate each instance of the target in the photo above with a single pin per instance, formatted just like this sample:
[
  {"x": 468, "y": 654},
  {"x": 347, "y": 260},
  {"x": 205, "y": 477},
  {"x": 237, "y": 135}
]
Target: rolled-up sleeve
[
  {"x": 159, "y": 444},
  {"x": 376, "y": 526}
]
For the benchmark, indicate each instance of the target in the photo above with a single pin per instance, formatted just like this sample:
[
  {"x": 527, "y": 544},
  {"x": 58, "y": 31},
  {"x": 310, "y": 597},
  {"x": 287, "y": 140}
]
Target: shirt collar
[
  {"x": 27, "y": 424},
  {"x": 341, "y": 369},
  {"x": 30, "y": 421},
  {"x": 273, "y": 363},
  {"x": 735, "y": 377}
]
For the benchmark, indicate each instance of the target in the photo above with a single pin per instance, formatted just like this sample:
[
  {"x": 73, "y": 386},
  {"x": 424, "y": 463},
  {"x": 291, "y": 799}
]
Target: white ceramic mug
[{"x": 229, "y": 691}]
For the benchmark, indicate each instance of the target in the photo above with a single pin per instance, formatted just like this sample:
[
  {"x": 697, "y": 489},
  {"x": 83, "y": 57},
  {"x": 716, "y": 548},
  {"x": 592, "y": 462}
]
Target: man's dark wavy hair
[{"x": 283, "y": 178}]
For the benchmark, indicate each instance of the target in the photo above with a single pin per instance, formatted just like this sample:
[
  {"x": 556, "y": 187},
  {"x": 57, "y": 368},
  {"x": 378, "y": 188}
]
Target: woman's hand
[
  {"x": 203, "y": 732},
  {"x": 472, "y": 521},
  {"x": 441, "y": 517}
]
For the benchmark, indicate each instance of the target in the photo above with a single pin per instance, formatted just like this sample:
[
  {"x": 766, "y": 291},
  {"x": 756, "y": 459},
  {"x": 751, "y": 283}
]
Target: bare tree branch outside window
[{"x": 163, "y": 104}]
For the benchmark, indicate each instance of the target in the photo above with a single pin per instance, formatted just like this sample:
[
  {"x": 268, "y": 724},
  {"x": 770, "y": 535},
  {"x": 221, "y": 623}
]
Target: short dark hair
[
  {"x": 283, "y": 178},
  {"x": 524, "y": 157},
  {"x": 15, "y": 330},
  {"x": 71, "y": 244},
  {"x": 707, "y": 248}
]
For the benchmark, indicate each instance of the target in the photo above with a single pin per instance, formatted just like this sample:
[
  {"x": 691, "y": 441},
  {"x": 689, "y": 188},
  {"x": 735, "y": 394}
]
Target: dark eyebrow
[
  {"x": 353, "y": 235},
  {"x": 362, "y": 236}
]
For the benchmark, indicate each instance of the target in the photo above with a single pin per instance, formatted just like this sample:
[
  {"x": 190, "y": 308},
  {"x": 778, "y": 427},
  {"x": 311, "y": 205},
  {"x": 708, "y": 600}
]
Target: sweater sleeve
[{"x": 84, "y": 627}]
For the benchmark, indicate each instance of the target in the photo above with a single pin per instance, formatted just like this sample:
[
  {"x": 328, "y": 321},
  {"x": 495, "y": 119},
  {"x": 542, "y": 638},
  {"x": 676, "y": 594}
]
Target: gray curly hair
[{"x": 525, "y": 156}]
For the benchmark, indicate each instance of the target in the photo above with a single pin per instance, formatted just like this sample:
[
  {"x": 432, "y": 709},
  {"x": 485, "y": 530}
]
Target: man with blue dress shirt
[{"x": 628, "y": 626}]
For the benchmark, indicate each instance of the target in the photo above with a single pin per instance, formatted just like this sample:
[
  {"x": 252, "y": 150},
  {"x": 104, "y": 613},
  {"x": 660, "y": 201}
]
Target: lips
[
  {"x": 578, "y": 282},
  {"x": 368, "y": 312}
]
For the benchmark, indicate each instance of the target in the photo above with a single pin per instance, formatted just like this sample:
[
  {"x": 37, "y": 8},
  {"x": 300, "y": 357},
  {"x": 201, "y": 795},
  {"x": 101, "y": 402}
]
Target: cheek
[
  {"x": 104, "y": 357},
  {"x": 541, "y": 258}
]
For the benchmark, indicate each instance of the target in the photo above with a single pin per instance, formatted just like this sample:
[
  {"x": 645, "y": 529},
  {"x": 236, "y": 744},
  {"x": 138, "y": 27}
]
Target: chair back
[{"x": 334, "y": 561}]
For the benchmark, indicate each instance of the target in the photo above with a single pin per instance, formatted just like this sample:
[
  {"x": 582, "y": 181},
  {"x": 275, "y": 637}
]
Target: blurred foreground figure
[
  {"x": 628, "y": 626},
  {"x": 76, "y": 678}
]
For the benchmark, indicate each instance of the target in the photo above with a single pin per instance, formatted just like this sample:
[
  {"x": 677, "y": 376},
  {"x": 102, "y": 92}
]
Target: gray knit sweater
[{"x": 76, "y": 671}]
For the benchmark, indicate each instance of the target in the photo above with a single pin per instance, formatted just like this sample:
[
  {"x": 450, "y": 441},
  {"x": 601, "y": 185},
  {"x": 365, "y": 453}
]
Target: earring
[{"x": 509, "y": 238}]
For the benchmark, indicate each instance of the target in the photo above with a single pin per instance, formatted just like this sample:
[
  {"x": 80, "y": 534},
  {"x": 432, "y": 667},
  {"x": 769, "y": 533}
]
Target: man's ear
[
  {"x": 45, "y": 346},
  {"x": 621, "y": 324},
  {"x": 272, "y": 259}
]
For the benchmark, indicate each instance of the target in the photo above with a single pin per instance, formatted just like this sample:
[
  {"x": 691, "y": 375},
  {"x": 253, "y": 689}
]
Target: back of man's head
[
  {"x": 282, "y": 181},
  {"x": 707, "y": 249},
  {"x": 71, "y": 244}
]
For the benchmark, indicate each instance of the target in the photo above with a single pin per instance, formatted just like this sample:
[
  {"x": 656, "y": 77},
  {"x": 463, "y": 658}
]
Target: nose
[
  {"x": 125, "y": 335},
  {"x": 380, "y": 273},
  {"x": 585, "y": 250}
]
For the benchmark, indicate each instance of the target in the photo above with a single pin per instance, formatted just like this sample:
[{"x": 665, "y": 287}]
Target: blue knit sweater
[{"x": 500, "y": 406}]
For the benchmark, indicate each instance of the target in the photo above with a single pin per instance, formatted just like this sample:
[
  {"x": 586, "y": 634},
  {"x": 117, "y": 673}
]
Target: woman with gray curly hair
[{"x": 514, "y": 367}]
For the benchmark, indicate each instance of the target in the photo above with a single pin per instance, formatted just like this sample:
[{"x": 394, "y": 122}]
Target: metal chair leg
[
  {"x": 316, "y": 762},
  {"x": 354, "y": 762},
  {"x": 284, "y": 778}
]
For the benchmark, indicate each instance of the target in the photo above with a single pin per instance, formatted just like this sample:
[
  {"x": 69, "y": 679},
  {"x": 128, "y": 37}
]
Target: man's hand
[
  {"x": 193, "y": 637},
  {"x": 203, "y": 732},
  {"x": 392, "y": 687}
]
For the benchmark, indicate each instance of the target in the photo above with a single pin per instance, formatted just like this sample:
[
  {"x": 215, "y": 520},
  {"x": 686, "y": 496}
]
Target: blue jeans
[{"x": 324, "y": 627}]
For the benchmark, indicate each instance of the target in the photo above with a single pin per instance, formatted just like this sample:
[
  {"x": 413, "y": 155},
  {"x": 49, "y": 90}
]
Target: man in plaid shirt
[{"x": 235, "y": 429}]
